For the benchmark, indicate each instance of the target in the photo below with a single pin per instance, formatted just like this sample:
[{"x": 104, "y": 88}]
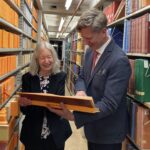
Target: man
[{"x": 105, "y": 75}]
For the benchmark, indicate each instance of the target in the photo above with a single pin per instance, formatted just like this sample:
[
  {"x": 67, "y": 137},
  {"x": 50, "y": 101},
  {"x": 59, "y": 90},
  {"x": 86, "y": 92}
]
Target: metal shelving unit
[
  {"x": 16, "y": 89},
  {"x": 9, "y": 50},
  {"x": 10, "y": 26},
  {"x": 146, "y": 105},
  {"x": 13, "y": 72},
  {"x": 17, "y": 30},
  {"x": 133, "y": 15},
  {"x": 138, "y": 55}
]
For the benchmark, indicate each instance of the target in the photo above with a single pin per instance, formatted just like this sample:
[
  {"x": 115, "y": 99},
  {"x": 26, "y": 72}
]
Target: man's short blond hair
[{"x": 92, "y": 18}]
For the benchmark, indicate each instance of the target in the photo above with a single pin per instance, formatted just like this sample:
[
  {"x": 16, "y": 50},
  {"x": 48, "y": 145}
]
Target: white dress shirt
[{"x": 102, "y": 49}]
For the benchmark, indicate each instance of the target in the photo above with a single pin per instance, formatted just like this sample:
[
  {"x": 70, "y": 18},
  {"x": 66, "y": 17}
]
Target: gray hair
[
  {"x": 92, "y": 18},
  {"x": 34, "y": 66}
]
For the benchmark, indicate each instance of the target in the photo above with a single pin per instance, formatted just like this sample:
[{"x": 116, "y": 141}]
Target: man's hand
[
  {"x": 64, "y": 112},
  {"x": 24, "y": 101},
  {"x": 80, "y": 93}
]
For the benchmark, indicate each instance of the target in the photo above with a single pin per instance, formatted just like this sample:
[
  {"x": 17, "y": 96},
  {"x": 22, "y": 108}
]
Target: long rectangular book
[
  {"x": 142, "y": 80},
  {"x": 142, "y": 135},
  {"x": 83, "y": 104}
]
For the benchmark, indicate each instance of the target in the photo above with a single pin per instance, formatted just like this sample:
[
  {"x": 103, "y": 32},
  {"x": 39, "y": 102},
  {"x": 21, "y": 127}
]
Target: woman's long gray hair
[{"x": 34, "y": 66}]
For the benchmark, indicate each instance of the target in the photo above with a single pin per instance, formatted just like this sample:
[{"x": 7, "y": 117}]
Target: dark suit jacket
[
  {"x": 108, "y": 86},
  {"x": 32, "y": 124}
]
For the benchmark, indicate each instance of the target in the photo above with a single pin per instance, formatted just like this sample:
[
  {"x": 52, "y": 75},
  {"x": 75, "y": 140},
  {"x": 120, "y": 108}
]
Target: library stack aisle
[{"x": 23, "y": 23}]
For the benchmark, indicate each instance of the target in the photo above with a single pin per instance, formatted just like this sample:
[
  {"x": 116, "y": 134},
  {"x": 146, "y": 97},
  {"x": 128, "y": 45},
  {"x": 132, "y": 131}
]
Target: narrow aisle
[{"x": 77, "y": 140}]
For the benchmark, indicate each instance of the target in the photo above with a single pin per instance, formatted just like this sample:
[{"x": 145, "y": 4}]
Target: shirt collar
[{"x": 103, "y": 47}]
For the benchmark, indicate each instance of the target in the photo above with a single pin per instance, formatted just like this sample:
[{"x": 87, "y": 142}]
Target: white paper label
[{"x": 145, "y": 63}]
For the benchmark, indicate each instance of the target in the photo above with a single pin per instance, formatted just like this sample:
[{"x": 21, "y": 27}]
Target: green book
[{"x": 142, "y": 80}]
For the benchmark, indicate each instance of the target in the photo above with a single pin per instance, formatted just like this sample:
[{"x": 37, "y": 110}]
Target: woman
[{"x": 42, "y": 129}]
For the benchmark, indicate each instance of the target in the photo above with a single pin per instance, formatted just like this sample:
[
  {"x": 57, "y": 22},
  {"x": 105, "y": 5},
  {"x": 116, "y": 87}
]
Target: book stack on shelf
[
  {"x": 74, "y": 58},
  {"x": 44, "y": 36},
  {"x": 9, "y": 127},
  {"x": 131, "y": 32},
  {"x": 18, "y": 38},
  {"x": 139, "y": 125},
  {"x": 137, "y": 37},
  {"x": 115, "y": 10}
]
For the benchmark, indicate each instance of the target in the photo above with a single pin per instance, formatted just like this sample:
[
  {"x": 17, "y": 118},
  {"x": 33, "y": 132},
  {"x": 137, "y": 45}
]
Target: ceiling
[{"x": 54, "y": 10}]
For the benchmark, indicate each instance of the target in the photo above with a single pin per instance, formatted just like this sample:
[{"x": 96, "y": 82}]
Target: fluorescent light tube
[
  {"x": 61, "y": 24},
  {"x": 68, "y": 4}
]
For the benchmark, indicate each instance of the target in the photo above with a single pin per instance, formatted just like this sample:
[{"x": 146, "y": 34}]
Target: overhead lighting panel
[{"x": 68, "y": 4}]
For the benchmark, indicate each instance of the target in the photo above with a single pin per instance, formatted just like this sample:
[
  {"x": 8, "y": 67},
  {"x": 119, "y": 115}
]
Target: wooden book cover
[{"x": 83, "y": 104}]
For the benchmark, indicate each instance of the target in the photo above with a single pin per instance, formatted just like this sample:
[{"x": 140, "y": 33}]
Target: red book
[
  {"x": 146, "y": 33},
  {"x": 143, "y": 127}
]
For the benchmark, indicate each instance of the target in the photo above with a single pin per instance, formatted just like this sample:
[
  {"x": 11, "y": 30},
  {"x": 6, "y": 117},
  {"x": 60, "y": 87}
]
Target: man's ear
[{"x": 104, "y": 30}]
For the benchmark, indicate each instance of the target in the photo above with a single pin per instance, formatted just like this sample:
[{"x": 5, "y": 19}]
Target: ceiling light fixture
[
  {"x": 61, "y": 24},
  {"x": 68, "y": 4},
  {"x": 57, "y": 35}
]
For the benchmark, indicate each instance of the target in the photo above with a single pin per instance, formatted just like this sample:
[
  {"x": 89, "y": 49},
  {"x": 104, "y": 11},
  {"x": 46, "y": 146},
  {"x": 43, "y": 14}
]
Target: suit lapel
[
  {"x": 89, "y": 65},
  {"x": 101, "y": 61}
]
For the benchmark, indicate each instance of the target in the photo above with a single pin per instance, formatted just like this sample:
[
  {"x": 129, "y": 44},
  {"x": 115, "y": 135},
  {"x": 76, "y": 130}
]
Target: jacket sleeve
[{"x": 115, "y": 90}]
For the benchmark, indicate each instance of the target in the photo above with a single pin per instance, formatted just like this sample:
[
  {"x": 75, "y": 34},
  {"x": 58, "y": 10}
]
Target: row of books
[
  {"x": 8, "y": 125},
  {"x": 34, "y": 34},
  {"x": 28, "y": 43},
  {"x": 35, "y": 13},
  {"x": 27, "y": 13},
  {"x": 8, "y": 39},
  {"x": 17, "y": 2},
  {"x": 137, "y": 35},
  {"x": 6, "y": 88},
  {"x": 44, "y": 36},
  {"x": 26, "y": 58},
  {"x": 134, "y": 5},
  {"x": 30, "y": 4},
  {"x": 70, "y": 78},
  {"x": 27, "y": 29},
  {"x": 7, "y": 64},
  {"x": 34, "y": 23},
  {"x": 12, "y": 132},
  {"x": 13, "y": 142},
  {"x": 13, "y": 18},
  {"x": 77, "y": 58},
  {"x": 75, "y": 36},
  {"x": 111, "y": 10},
  {"x": 139, "y": 125},
  {"x": 77, "y": 45},
  {"x": 140, "y": 80},
  {"x": 11, "y": 109}
]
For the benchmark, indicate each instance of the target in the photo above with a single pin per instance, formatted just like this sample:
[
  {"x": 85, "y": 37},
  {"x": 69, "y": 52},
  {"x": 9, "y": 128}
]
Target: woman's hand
[
  {"x": 64, "y": 112},
  {"x": 24, "y": 101}
]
